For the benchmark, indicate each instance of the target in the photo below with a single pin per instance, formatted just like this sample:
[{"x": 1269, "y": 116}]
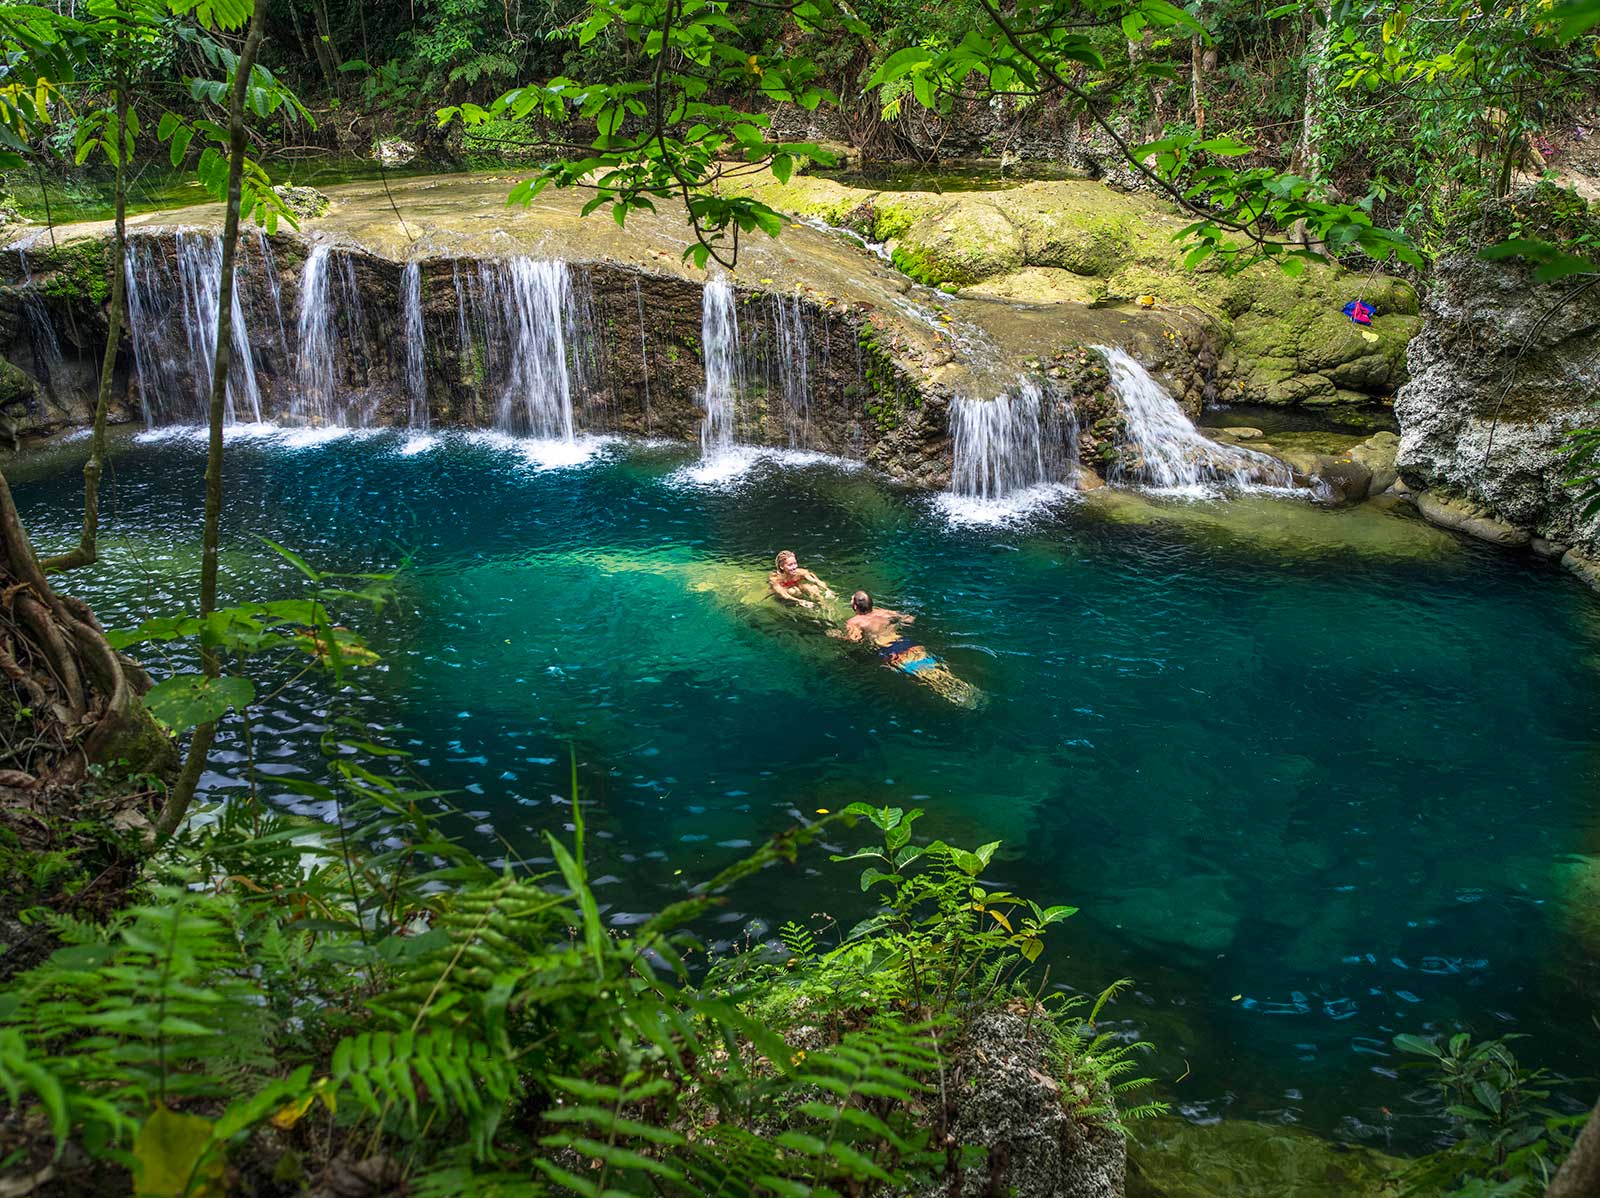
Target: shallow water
[{"x": 1310, "y": 774}]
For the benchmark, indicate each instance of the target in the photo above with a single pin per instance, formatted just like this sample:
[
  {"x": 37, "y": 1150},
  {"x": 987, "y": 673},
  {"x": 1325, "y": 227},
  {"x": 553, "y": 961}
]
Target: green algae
[{"x": 1170, "y": 1158}]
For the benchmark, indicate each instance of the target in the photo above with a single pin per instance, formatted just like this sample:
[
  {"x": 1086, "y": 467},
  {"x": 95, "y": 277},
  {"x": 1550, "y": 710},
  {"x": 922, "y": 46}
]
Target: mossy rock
[
  {"x": 15, "y": 385},
  {"x": 1170, "y": 1158},
  {"x": 77, "y": 272},
  {"x": 304, "y": 203},
  {"x": 966, "y": 241}
]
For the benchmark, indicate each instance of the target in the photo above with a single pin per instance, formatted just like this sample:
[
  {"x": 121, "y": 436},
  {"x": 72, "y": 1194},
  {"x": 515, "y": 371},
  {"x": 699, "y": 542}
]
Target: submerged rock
[
  {"x": 1471, "y": 518},
  {"x": 1242, "y": 1159}
]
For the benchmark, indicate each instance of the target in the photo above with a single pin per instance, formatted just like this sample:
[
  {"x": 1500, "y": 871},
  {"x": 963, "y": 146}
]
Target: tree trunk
[
  {"x": 83, "y": 697},
  {"x": 1580, "y": 1176},
  {"x": 1197, "y": 84},
  {"x": 87, "y": 550},
  {"x": 1307, "y": 162},
  {"x": 222, "y": 359}
]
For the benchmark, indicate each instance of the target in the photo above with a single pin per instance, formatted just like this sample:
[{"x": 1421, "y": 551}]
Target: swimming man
[
  {"x": 881, "y": 627},
  {"x": 792, "y": 585}
]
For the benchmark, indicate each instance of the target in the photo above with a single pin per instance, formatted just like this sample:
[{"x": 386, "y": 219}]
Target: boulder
[
  {"x": 1009, "y": 1099},
  {"x": 1346, "y": 479},
  {"x": 965, "y": 242},
  {"x": 394, "y": 151},
  {"x": 1377, "y": 453},
  {"x": 304, "y": 202},
  {"x": 1503, "y": 369}
]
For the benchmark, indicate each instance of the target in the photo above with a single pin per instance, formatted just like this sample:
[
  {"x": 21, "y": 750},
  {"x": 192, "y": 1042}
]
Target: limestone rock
[
  {"x": 1503, "y": 369},
  {"x": 1470, "y": 518},
  {"x": 1007, "y": 1098},
  {"x": 1346, "y": 478},
  {"x": 1377, "y": 453},
  {"x": 394, "y": 151},
  {"x": 1549, "y": 550},
  {"x": 1583, "y": 565},
  {"x": 304, "y": 202},
  {"x": 1244, "y": 1159},
  {"x": 966, "y": 242}
]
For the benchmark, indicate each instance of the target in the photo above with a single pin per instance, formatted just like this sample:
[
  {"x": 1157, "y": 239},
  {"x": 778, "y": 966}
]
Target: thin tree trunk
[
  {"x": 1308, "y": 155},
  {"x": 1197, "y": 84},
  {"x": 222, "y": 359},
  {"x": 87, "y": 550},
  {"x": 1580, "y": 1176}
]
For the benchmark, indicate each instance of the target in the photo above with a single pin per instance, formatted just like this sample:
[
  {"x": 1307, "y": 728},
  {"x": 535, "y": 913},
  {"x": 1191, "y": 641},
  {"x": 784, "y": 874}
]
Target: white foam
[
  {"x": 307, "y": 438},
  {"x": 418, "y": 443},
  {"x": 730, "y": 465},
  {"x": 966, "y": 510},
  {"x": 541, "y": 453}
]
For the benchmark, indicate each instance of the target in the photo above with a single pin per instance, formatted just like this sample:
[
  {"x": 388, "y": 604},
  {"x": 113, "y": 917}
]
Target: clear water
[{"x": 1311, "y": 775}]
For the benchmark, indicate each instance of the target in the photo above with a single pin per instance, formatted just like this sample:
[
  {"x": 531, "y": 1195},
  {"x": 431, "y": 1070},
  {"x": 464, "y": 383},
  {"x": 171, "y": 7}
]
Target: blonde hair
[{"x": 783, "y": 553}]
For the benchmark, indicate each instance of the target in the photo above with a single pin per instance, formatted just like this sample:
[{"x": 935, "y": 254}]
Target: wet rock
[
  {"x": 394, "y": 151},
  {"x": 1243, "y": 432},
  {"x": 1468, "y": 517},
  {"x": 1503, "y": 369},
  {"x": 1377, "y": 453},
  {"x": 1583, "y": 565},
  {"x": 1347, "y": 480},
  {"x": 304, "y": 202},
  {"x": 1550, "y": 550},
  {"x": 1008, "y": 1099},
  {"x": 1194, "y": 912},
  {"x": 967, "y": 241}
]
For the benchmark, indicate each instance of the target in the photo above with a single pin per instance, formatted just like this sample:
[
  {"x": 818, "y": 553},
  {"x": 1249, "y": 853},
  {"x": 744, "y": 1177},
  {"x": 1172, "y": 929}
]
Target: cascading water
[
  {"x": 536, "y": 332},
  {"x": 329, "y": 323},
  {"x": 793, "y": 366},
  {"x": 537, "y": 397},
  {"x": 176, "y": 388},
  {"x": 719, "y": 340},
  {"x": 1011, "y": 443},
  {"x": 1171, "y": 453},
  {"x": 41, "y": 329},
  {"x": 411, "y": 331}
]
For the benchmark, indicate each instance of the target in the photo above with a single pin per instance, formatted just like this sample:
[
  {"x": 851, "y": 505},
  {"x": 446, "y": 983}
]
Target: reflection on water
[{"x": 1312, "y": 775}]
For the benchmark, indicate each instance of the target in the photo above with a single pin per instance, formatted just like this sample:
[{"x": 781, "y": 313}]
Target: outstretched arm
[
  {"x": 827, "y": 591},
  {"x": 783, "y": 595}
]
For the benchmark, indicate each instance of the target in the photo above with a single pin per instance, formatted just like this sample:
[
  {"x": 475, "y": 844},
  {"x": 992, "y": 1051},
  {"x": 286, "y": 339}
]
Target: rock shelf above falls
[{"x": 840, "y": 351}]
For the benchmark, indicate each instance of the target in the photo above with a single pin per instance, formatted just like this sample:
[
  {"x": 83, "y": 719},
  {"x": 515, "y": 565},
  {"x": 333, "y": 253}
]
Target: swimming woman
[
  {"x": 792, "y": 585},
  {"x": 882, "y": 628}
]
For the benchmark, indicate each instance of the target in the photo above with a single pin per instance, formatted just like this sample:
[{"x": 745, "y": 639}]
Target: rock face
[
  {"x": 1006, "y": 1099},
  {"x": 1278, "y": 339},
  {"x": 1503, "y": 369}
]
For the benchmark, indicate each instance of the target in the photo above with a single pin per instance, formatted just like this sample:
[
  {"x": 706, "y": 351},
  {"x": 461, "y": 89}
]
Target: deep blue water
[{"x": 1313, "y": 777}]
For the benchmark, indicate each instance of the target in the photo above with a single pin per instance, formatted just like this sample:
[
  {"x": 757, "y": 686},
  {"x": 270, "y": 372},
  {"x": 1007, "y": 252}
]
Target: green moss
[{"x": 77, "y": 272}]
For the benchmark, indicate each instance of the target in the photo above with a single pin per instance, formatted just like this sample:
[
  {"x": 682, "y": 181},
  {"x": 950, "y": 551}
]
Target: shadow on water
[{"x": 1314, "y": 777}]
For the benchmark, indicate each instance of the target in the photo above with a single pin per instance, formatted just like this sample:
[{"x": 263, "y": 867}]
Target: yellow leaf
[
  {"x": 288, "y": 1116},
  {"x": 822, "y": 811},
  {"x": 1236, "y": 998},
  {"x": 1000, "y": 919},
  {"x": 1369, "y": 337},
  {"x": 1145, "y": 301},
  {"x": 167, "y": 1157}
]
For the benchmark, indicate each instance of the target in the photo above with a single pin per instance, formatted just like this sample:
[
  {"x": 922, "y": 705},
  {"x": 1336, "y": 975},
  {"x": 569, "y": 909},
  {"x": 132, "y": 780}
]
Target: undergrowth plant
[
  {"x": 1511, "y": 1140},
  {"x": 482, "y": 1032}
]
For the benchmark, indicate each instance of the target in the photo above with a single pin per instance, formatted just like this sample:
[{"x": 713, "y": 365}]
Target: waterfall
[
  {"x": 1011, "y": 443},
  {"x": 719, "y": 340},
  {"x": 1170, "y": 450},
  {"x": 793, "y": 366},
  {"x": 176, "y": 387},
  {"x": 537, "y": 397},
  {"x": 644, "y": 350},
  {"x": 41, "y": 329},
  {"x": 411, "y": 330},
  {"x": 330, "y": 325},
  {"x": 537, "y": 330}
]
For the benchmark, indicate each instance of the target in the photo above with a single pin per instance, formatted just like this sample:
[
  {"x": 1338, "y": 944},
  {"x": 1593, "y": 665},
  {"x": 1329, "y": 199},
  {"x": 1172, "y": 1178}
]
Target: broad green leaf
[
  {"x": 185, "y": 700},
  {"x": 167, "y": 1157}
]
